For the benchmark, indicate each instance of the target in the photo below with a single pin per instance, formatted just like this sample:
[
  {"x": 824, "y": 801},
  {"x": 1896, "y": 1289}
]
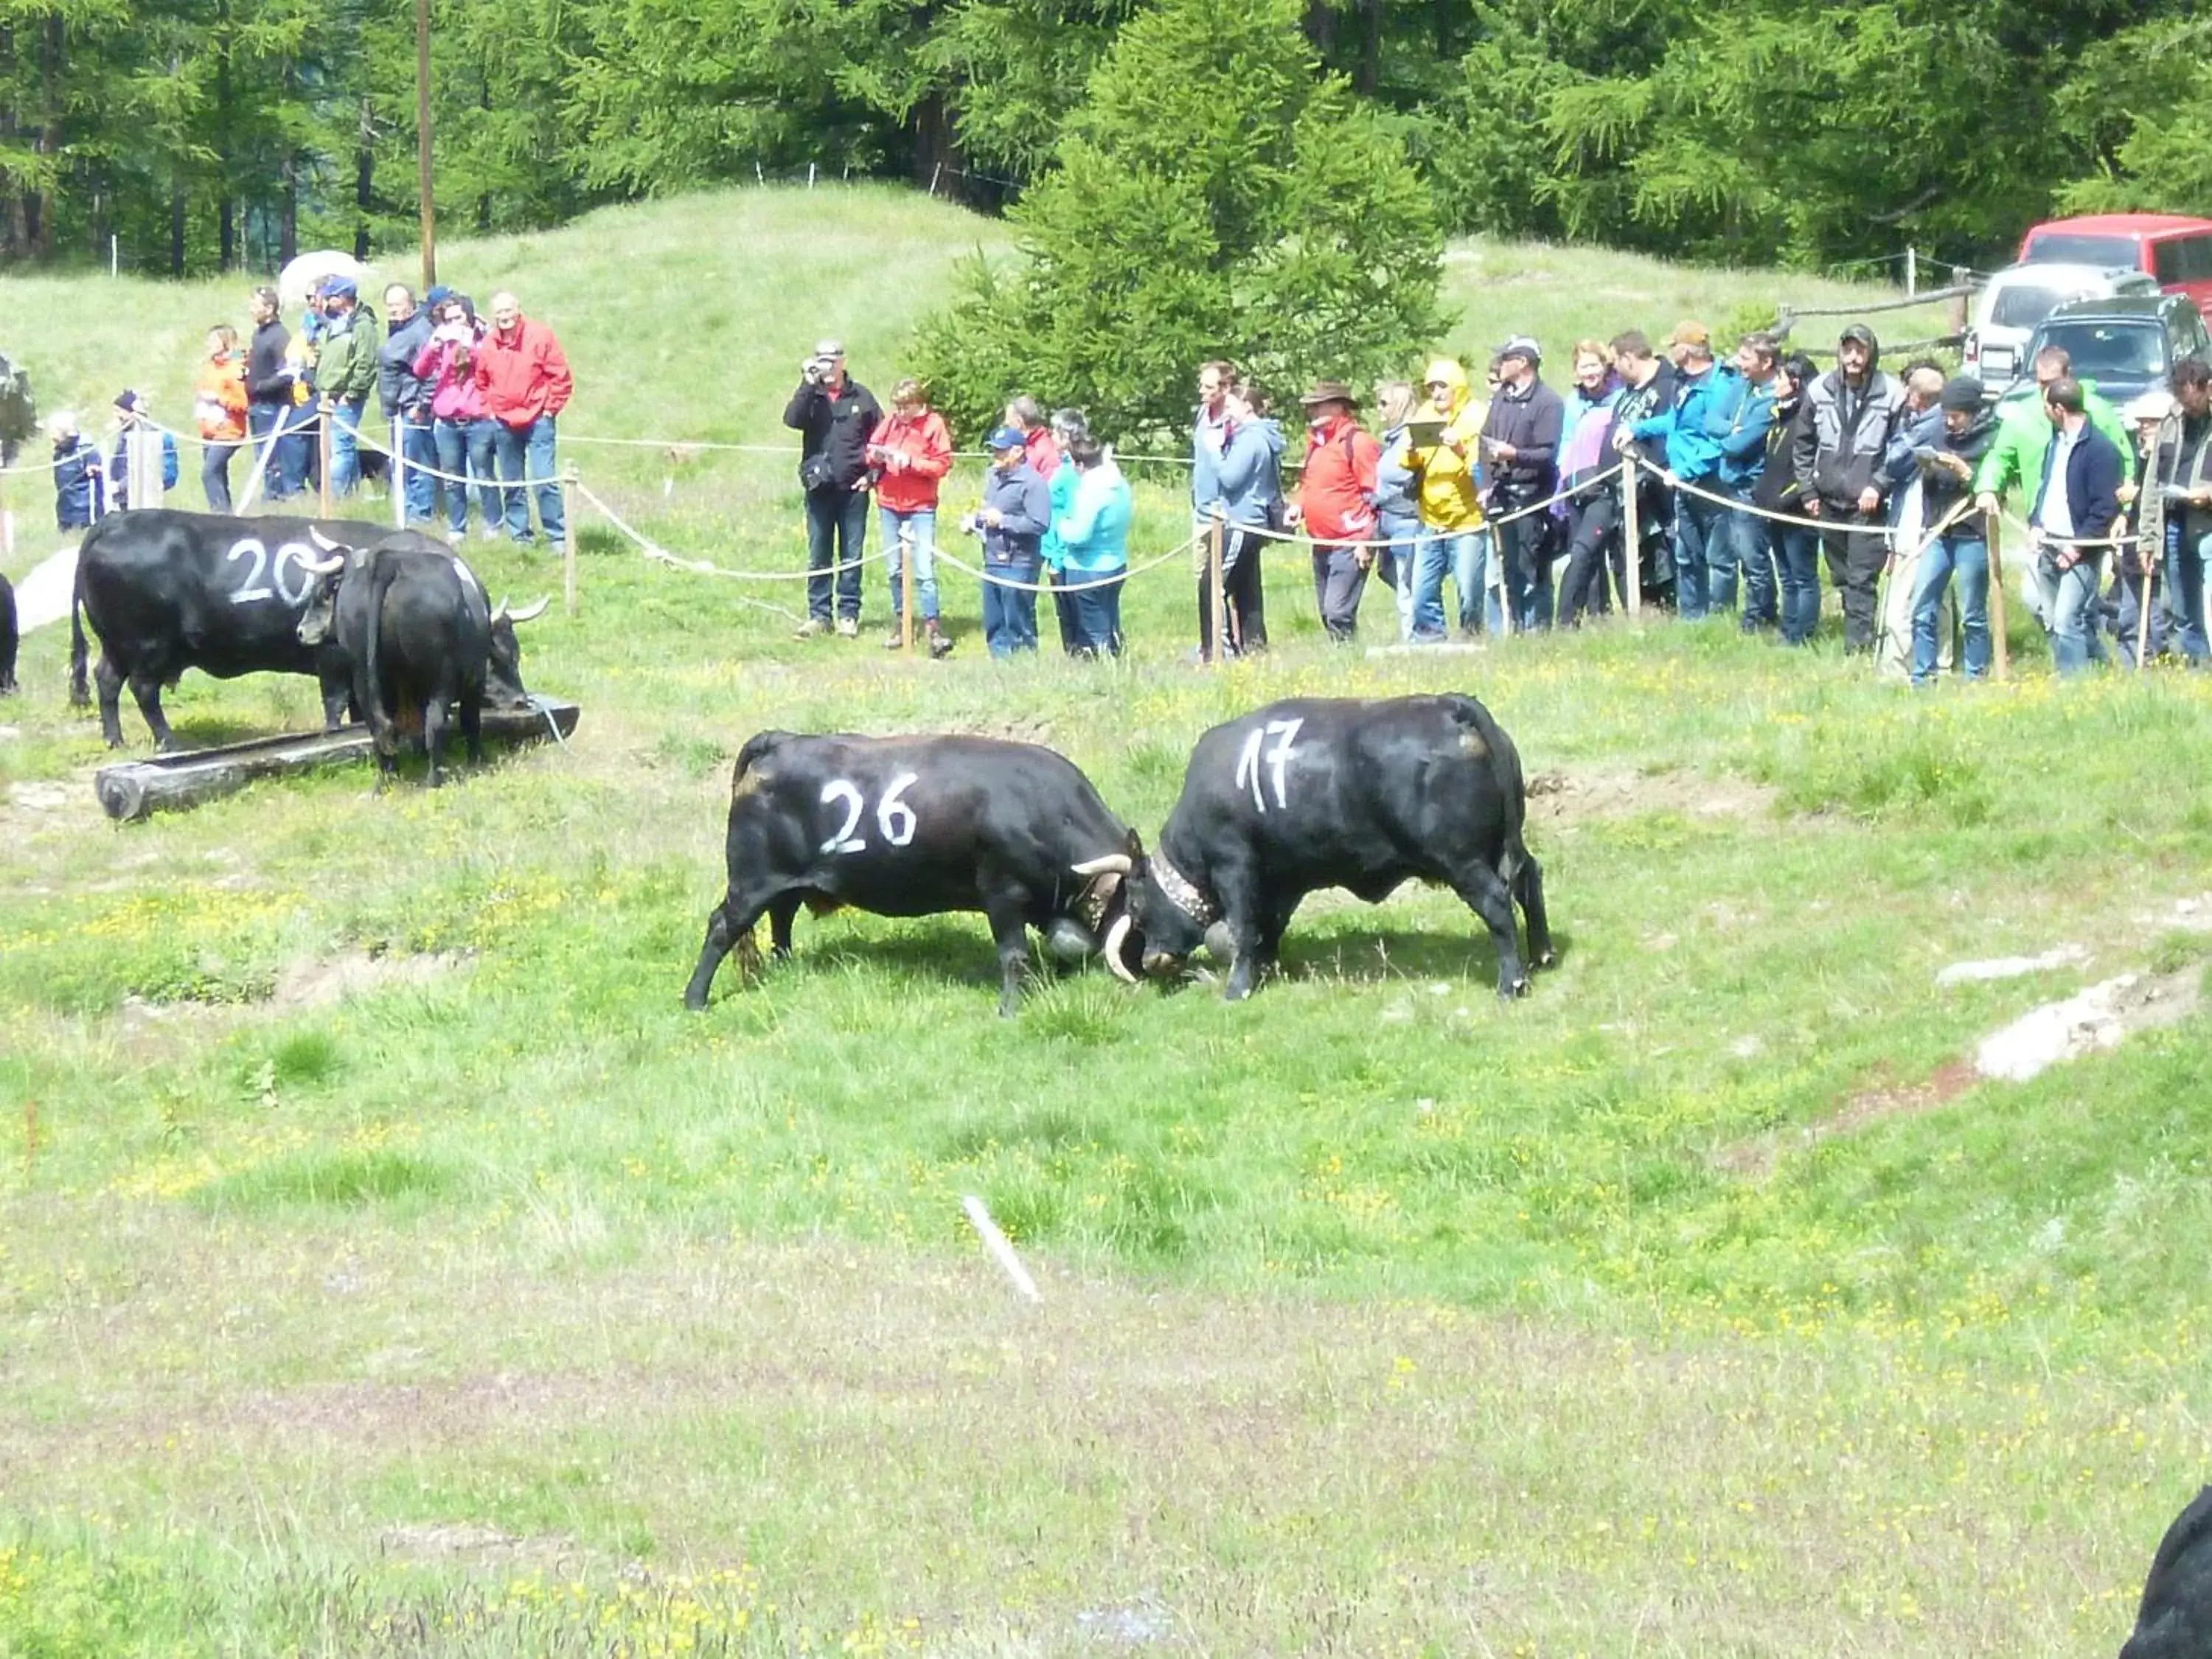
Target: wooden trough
[{"x": 130, "y": 790}]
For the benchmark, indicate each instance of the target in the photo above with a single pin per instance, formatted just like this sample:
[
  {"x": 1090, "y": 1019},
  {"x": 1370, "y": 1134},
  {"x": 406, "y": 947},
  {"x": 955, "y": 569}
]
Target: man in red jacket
[
  {"x": 1336, "y": 504},
  {"x": 525, "y": 383}
]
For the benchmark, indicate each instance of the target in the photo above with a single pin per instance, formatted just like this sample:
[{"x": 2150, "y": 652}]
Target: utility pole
[{"x": 422, "y": 143}]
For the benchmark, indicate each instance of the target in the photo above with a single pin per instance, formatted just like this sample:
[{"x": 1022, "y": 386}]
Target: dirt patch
[
  {"x": 322, "y": 981},
  {"x": 1600, "y": 793},
  {"x": 1882, "y": 1096}
]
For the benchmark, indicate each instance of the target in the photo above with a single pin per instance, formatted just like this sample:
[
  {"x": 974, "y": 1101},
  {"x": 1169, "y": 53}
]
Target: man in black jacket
[
  {"x": 1946, "y": 466},
  {"x": 1521, "y": 453},
  {"x": 269, "y": 399},
  {"x": 2076, "y": 509},
  {"x": 405, "y": 397},
  {"x": 834, "y": 417},
  {"x": 1647, "y": 386}
]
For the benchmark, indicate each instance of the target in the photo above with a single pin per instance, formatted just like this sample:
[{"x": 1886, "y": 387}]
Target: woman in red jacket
[{"x": 910, "y": 451}]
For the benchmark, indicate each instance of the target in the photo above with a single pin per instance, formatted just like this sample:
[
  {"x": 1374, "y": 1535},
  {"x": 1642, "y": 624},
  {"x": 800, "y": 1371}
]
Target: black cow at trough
[
  {"x": 916, "y": 827},
  {"x": 2175, "y": 1618},
  {"x": 425, "y": 647},
  {"x": 166, "y": 590},
  {"x": 1315, "y": 793},
  {"x": 11, "y": 635}
]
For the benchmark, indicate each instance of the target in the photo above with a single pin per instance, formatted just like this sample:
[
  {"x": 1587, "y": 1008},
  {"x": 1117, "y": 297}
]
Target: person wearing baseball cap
[
  {"x": 835, "y": 416},
  {"x": 1336, "y": 504},
  {"x": 1521, "y": 458},
  {"x": 1016, "y": 513},
  {"x": 1966, "y": 425},
  {"x": 1855, "y": 409},
  {"x": 137, "y": 428},
  {"x": 1686, "y": 337},
  {"x": 1693, "y": 458}
]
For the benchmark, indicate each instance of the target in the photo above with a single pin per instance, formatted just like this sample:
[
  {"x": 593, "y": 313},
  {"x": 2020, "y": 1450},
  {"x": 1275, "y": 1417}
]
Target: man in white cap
[
  {"x": 1521, "y": 461},
  {"x": 834, "y": 416}
]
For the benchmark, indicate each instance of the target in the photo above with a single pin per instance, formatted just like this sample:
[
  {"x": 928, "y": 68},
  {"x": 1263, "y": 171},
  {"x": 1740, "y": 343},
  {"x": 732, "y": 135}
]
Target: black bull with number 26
[
  {"x": 917, "y": 826},
  {"x": 1360, "y": 794},
  {"x": 166, "y": 591}
]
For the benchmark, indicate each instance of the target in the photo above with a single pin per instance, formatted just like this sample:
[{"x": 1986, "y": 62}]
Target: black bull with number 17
[
  {"x": 917, "y": 826},
  {"x": 166, "y": 591},
  {"x": 1360, "y": 794}
]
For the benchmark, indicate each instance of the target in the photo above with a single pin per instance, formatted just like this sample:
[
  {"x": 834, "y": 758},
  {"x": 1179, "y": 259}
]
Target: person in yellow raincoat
[{"x": 1443, "y": 456}]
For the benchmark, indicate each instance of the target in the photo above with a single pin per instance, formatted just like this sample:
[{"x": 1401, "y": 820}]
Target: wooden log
[{"x": 132, "y": 790}]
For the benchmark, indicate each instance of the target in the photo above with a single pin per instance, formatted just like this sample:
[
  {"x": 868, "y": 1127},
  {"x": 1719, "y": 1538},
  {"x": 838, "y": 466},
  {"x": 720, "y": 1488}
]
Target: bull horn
[
  {"x": 1106, "y": 863},
  {"x": 325, "y": 542},
  {"x": 529, "y": 612},
  {"x": 324, "y": 566},
  {"x": 1115, "y": 936}
]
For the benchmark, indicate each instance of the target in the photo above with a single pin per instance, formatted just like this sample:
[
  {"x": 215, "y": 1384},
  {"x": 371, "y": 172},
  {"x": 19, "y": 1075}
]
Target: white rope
[
  {"x": 990, "y": 580},
  {"x": 1852, "y": 526},
  {"x": 653, "y": 550},
  {"x": 1429, "y": 532}
]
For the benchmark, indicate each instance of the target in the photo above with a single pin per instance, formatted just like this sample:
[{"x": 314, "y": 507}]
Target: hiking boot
[
  {"x": 848, "y": 628},
  {"x": 941, "y": 643},
  {"x": 892, "y": 641},
  {"x": 809, "y": 629}
]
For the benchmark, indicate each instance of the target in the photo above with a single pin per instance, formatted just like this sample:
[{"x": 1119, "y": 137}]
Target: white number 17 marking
[{"x": 1286, "y": 733}]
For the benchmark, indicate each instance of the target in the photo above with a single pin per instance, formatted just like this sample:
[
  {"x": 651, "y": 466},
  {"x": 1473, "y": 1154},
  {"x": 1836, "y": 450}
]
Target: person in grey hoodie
[
  {"x": 1855, "y": 409},
  {"x": 1248, "y": 497}
]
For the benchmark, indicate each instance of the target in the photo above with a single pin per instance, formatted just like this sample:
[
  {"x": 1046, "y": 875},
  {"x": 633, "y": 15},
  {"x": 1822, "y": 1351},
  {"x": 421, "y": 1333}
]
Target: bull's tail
[
  {"x": 80, "y": 690},
  {"x": 381, "y": 573},
  {"x": 1505, "y": 767}
]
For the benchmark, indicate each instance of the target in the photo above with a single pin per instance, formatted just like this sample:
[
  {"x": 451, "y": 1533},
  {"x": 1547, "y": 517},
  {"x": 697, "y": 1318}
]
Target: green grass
[{"x": 389, "y": 1265}]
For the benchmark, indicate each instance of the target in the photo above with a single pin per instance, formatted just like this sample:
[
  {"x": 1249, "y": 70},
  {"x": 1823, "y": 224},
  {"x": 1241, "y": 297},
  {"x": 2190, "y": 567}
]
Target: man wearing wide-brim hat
[{"x": 1336, "y": 504}]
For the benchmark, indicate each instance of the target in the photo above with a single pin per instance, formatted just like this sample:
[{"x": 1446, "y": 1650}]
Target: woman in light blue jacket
[{"x": 1094, "y": 544}]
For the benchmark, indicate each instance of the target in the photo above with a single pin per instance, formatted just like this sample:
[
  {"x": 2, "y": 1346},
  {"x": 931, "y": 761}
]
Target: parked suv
[
  {"x": 2017, "y": 298},
  {"x": 2125, "y": 345}
]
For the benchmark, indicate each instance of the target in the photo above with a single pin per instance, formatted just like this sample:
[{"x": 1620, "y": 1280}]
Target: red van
[{"x": 2176, "y": 251}]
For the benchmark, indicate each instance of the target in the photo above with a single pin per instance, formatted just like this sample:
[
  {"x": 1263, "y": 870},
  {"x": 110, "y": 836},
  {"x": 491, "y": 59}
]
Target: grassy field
[{"x": 389, "y": 1265}]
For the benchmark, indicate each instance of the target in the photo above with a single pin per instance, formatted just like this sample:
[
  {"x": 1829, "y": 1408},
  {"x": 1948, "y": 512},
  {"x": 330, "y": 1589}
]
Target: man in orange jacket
[
  {"x": 1336, "y": 504},
  {"x": 525, "y": 383}
]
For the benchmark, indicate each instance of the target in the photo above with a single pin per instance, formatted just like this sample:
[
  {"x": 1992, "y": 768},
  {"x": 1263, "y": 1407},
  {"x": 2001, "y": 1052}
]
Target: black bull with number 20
[
  {"x": 166, "y": 591},
  {"x": 1318, "y": 793},
  {"x": 916, "y": 826}
]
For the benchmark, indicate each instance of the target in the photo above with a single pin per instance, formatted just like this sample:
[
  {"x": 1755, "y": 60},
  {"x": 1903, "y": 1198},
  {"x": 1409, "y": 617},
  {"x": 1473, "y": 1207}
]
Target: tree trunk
[
  {"x": 364, "y": 181},
  {"x": 226, "y": 212},
  {"x": 177, "y": 199},
  {"x": 1320, "y": 28},
  {"x": 53, "y": 58},
  {"x": 936, "y": 160},
  {"x": 1367, "y": 78},
  {"x": 226, "y": 230}
]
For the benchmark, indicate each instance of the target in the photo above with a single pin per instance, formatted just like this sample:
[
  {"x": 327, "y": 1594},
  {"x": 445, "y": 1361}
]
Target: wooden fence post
[
  {"x": 1631, "y": 540},
  {"x": 2000, "y": 654},
  {"x": 568, "y": 538},
  {"x": 906, "y": 587},
  {"x": 1216, "y": 591},
  {"x": 398, "y": 473},
  {"x": 323, "y": 451}
]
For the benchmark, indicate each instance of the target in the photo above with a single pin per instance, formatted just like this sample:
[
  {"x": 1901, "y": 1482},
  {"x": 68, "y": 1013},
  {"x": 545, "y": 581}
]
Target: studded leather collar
[{"x": 1182, "y": 892}]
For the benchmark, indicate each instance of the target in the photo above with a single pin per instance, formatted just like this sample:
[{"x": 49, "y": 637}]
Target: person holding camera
[
  {"x": 834, "y": 417},
  {"x": 910, "y": 451},
  {"x": 459, "y": 427},
  {"x": 1016, "y": 513}
]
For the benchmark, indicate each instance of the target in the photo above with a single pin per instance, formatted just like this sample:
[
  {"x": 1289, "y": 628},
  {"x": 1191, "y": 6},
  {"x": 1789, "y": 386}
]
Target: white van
[{"x": 2017, "y": 298}]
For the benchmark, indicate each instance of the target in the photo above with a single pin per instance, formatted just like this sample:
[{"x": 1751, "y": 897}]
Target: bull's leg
[
  {"x": 781, "y": 910},
  {"x": 726, "y": 925},
  {"x": 109, "y": 679},
  {"x": 434, "y": 720},
  {"x": 1529, "y": 888},
  {"x": 1270, "y": 935},
  {"x": 1488, "y": 896},
  {"x": 146, "y": 689},
  {"x": 337, "y": 692},
  {"x": 472, "y": 727},
  {"x": 1010, "y": 930},
  {"x": 1248, "y": 913}
]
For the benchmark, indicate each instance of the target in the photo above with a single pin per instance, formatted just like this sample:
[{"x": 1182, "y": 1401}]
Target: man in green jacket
[
  {"x": 345, "y": 373},
  {"x": 2016, "y": 457}
]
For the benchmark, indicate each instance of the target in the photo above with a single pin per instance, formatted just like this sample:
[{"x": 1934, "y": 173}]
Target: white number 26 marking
[
  {"x": 894, "y": 819},
  {"x": 1286, "y": 733}
]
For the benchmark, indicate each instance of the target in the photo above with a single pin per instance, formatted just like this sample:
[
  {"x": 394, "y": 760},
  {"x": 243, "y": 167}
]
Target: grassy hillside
[{"x": 391, "y": 1266}]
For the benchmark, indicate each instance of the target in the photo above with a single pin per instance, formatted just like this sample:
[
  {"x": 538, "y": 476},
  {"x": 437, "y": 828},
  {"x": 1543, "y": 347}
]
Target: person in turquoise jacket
[
  {"x": 1693, "y": 458},
  {"x": 1094, "y": 543},
  {"x": 1740, "y": 419},
  {"x": 1067, "y": 425}
]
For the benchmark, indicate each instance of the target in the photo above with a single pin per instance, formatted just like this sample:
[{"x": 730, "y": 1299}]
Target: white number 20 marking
[
  {"x": 893, "y": 818},
  {"x": 291, "y": 555},
  {"x": 1286, "y": 733}
]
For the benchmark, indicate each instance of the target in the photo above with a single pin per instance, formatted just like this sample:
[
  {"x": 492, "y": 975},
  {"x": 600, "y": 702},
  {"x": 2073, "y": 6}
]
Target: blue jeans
[
  {"x": 345, "y": 448},
  {"x": 285, "y": 473},
  {"x": 464, "y": 451},
  {"x": 920, "y": 526},
  {"x": 1754, "y": 555},
  {"x": 1796, "y": 551},
  {"x": 1404, "y": 554},
  {"x": 527, "y": 452},
  {"x": 1698, "y": 524},
  {"x": 1469, "y": 554},
  {"x": 2074, "y": 641},
  {"x": 1969, "y": 556},
  {"x": 1097, "y": 609},
  {"x": 214, "y": 476},
  {"x": 1729, "y": 549},
  {"x": 837, "y": 535},
  {"x": 418, "y": 447},
  {"x": 2184, "y": 589},
  {"x": 1009, "y": 613}
]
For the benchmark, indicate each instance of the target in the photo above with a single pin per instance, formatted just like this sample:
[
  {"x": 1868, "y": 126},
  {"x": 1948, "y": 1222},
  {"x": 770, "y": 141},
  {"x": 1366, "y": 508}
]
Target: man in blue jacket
[
  {"x": 1739, "y": 420},
  {"x": 2076, "y": 508},
  {"x": 1016, "y": 513},
  {"x": 1693, "y": 458}
]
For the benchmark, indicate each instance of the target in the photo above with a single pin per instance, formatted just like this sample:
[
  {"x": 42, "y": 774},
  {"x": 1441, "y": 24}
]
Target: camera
[{"x": 969, "y": 525}]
